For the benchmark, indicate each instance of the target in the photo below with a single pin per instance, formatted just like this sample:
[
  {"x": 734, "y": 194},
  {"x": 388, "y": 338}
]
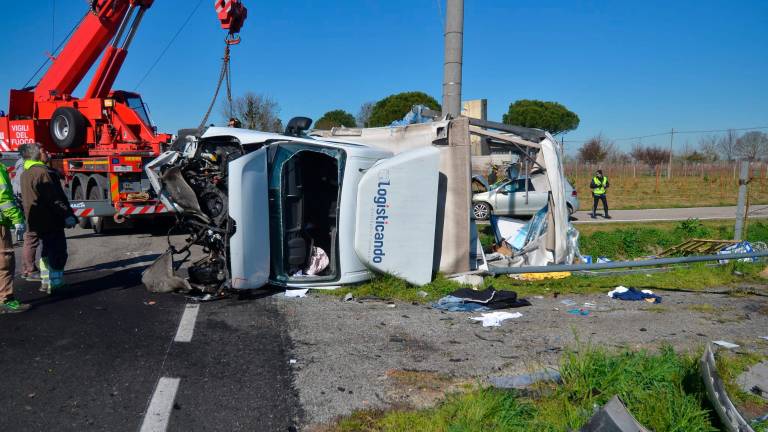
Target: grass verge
[
  {"x": 662, "y": 390},
  {"x": 697, "y": 277}
]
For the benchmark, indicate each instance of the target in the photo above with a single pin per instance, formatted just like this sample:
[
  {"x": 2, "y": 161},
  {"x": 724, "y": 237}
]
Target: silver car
[{"x": 508, "y": 198}]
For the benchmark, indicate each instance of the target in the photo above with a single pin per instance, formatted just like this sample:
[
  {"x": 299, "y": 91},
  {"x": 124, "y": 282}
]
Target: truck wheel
[
  {"x": 97, "y": 222},
  {"x": 79, "y": 195},
  {"x": 68, "y": 128}
]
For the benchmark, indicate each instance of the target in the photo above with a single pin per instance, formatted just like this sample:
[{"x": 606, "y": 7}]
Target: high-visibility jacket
[
  {"x": 599, "y": 187},
  {"x": 10, "y": 214}
]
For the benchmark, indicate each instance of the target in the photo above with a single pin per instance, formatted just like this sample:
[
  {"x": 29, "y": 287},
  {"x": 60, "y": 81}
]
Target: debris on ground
[
  {"x": 348, "y": 297},
  {"x": 725, "y": 344},
  {"x": 526, "y": 380},
  {"x": 296, "y": 293},
  {"x": 729, "y": 415},
  {"x": 494, "y": 319},
  {"x": 471, "y": 280},
  {"x": 755, "y": 380},
  {"x": 582, "y": 312},
  {"x": 467, "y": 300},
  {"x": 541, "y": 276},
  {"x": 697, "y": 247},
  {"x": 613, "y": 417},
  {"x": 631, "y": 294}
]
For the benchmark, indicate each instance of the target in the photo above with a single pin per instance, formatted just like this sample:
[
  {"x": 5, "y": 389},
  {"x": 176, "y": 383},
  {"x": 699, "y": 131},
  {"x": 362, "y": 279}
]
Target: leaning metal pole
[{"x": 454, "y": 51}]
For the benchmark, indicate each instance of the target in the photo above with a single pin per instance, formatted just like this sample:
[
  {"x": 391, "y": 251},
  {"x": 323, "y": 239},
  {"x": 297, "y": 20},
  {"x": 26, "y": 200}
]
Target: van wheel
[
  {"x": 481, "y": 210},
  {"x": 68, "y": 128}
]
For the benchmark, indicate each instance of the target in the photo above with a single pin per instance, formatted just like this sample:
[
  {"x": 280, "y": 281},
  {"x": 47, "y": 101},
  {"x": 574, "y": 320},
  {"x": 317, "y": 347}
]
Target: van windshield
[{"x": 304, "y": 191}]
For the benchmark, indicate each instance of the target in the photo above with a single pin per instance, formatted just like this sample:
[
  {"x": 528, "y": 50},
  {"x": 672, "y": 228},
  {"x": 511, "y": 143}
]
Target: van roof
[{"x": 247, "y": 136}]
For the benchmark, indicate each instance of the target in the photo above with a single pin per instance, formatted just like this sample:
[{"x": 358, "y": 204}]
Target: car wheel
[{"x": 481, "y": 210}]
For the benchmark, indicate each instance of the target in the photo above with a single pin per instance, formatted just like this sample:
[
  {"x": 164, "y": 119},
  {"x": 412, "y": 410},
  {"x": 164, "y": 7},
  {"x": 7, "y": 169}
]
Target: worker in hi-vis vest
[{"x": 599, "y": 186}]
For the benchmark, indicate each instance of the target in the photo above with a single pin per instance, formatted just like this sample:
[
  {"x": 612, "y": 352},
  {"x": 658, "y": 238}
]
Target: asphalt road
[
  {"x": 102, "y": 354},
  {"x": 670, "y": 214}
]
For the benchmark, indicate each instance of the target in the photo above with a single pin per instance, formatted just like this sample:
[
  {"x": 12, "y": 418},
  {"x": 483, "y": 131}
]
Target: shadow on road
[{"x": 148, "y": 259}]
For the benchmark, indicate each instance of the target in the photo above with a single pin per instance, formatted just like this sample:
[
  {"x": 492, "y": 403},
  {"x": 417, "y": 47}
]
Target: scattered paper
[
  {"x": 299, "y": 293},
  {"x": 725, "y": 344},
  {"x": 494, "y": 319},
  {"x": 292, "y": 361}
]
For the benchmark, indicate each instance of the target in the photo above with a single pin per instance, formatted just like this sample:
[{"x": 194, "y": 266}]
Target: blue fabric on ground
[
  {"x": 456, "y": 304},
  {"x": 635, "y": 295}
]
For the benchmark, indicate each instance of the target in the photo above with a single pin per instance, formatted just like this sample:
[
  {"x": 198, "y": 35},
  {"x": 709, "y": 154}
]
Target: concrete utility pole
[
  {"x": 741, "y": 204},
  {"x": 454, "y": 52}
]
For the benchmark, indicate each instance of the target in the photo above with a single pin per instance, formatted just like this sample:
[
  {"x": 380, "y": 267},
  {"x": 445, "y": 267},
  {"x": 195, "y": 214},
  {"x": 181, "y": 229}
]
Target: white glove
[
  {"x": 70, "y": 222},
  {"x": 20, "y": 230}
]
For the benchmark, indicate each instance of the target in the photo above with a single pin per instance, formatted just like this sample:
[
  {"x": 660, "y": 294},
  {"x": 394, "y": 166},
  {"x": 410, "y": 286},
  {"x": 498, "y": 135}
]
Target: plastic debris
[
  {"x": 525, "y": 380},
  {"x": 292, "y": 361},
  {"x": 494, "y": 319},
  {"x": 422, "y": 294},
  {"x": 725, "y": 344},
  {"x": 349, "y": 297},
  {"x": 613, "y": 417},
  {"x": 299, "y": 293},
  {"x": 582, "y": 312}
]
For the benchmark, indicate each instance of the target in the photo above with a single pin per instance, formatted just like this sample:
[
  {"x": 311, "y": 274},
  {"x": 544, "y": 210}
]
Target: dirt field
[{"x": 637, "y": 187}]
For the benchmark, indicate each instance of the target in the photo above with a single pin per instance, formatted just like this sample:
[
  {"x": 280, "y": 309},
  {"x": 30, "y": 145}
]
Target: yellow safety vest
[{"x": 600, "y": 189}]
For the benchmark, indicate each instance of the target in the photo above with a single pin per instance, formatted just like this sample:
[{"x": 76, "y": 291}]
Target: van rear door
[
  {"x": 249, "y": 208},
  {"x": 397, "y": 213}
]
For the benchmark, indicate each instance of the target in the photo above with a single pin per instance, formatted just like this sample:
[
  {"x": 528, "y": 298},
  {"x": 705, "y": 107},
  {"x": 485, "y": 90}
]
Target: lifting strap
[{"x": 224, "y": 77}]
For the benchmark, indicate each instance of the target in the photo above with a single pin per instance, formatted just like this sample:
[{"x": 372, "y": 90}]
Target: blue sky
[{"x": 626, "y": 68}]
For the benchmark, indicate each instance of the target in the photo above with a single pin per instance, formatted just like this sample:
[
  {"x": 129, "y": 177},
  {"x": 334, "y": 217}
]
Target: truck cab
[{"x": 304, "y": 212}]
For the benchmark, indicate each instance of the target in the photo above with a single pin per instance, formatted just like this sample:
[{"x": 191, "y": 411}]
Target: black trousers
[
  {"x": 54, "y": 248},
  {"x": 598, "y": 198}
]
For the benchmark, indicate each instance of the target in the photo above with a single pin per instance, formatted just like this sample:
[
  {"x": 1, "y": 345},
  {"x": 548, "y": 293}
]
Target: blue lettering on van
[{"x": 382, "y": 220}]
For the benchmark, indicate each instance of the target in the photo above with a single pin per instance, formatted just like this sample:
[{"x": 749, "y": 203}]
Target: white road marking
[
  {"x": 187, "y": 324},
  {"x": 159, "y": 411}
]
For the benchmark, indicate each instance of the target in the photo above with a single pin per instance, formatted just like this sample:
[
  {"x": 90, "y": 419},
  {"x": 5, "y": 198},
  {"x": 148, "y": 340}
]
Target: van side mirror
[{"x": 297, "y": 126}]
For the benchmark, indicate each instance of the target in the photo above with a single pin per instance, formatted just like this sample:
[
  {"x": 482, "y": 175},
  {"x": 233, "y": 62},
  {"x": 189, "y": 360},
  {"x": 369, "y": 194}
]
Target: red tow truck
[{"x": 102, "y": 140}]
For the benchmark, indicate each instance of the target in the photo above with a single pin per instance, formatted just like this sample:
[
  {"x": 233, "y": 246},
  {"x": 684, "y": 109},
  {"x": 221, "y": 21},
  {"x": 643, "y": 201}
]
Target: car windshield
[{"x": 137, "y": 105}]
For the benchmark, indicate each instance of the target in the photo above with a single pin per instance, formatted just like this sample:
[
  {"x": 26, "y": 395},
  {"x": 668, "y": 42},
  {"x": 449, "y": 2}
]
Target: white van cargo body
[{"x": 268, "y": 206}]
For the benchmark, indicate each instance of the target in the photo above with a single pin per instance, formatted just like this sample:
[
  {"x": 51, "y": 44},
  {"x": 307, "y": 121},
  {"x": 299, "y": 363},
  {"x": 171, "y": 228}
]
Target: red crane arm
[{"x": 84, "y": 47}]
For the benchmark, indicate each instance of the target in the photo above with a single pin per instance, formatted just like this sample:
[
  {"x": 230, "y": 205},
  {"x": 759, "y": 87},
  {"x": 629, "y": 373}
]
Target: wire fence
[{"x": 638, "y": 185}]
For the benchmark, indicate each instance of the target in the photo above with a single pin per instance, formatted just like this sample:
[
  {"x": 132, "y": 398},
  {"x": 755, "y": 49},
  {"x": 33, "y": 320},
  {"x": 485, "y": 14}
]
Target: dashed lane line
[
  {"x": 159, "y": 411},
  {"x": 187, "y": 323}
]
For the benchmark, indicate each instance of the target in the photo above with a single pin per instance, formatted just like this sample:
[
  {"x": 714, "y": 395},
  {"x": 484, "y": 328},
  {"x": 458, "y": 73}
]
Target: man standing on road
[
  {"x": 47, "y": 210},
  {"x": 10, "y": 217},
  {"x": 29, "y": 270},
  {"x": 599, "y": 188}
]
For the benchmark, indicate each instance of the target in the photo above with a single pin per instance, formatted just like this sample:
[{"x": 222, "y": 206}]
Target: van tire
[{"x": 481, "y": 210}]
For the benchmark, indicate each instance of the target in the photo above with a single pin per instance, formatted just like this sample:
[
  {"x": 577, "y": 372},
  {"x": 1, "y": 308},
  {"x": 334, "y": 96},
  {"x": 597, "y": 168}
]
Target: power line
[
  {"x": 168, "y": 46},
  {"x": 676, "y": 132}
]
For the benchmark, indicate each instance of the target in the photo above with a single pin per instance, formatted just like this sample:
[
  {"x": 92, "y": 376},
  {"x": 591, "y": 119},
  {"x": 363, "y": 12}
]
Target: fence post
[{"x": 740, "y": 206}]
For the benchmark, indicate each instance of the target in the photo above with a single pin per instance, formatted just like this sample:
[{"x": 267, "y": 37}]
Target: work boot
[
  {"x": 608, "y": 217},
  {"x": 593, "y": 216},
  {"x": 12, "y": 305}
]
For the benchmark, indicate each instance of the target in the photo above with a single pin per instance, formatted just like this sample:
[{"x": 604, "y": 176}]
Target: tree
[
  {"x": 708, "y": 147},
  {"x": 653, "y": 156},
  {"x": 550, "y": 116},
  {"x": 396, "y": 106},
  {"x": 752, "y": 146},
  {"x": 364, "y": 115},
  {"x": 727, "y": 145},
  {"x": 255, "y": 111},
  {"x": 596, "y": 150},
  {"x": 335, "y": 118}
]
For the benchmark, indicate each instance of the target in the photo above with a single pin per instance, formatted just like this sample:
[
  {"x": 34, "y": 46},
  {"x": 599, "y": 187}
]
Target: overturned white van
[{"x": 295, "y": 211}]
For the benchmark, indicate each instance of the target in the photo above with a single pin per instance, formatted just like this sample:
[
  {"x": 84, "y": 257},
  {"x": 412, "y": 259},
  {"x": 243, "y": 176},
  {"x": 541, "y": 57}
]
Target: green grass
[
  {"x": 662, "y": 390},
  {"x": 698, "y": 277}
]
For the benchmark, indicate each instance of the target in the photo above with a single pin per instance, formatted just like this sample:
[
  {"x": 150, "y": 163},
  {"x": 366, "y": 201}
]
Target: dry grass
[{"x": 719, "y": 188}]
